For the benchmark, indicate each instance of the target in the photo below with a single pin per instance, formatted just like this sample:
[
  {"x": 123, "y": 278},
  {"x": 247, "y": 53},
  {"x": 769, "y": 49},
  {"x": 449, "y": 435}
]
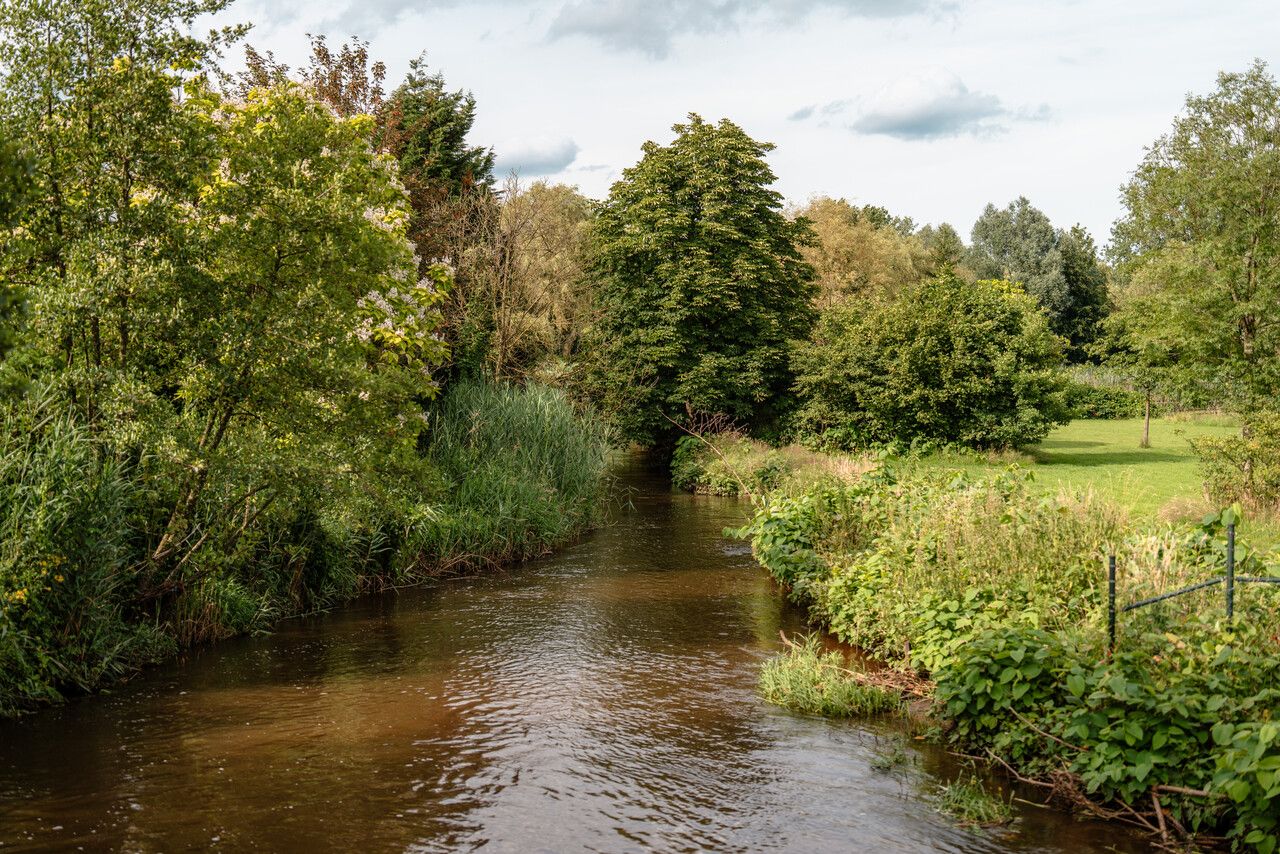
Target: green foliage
[
  {"x": 806, "y": 679},
  {"x": 1244, "y": 468},
  {"x": 700, "y": 286},
  {"x": 969, "y": 801},
  {"x": 15, "y": 185},
  {"x": 997, "y": 593},
  {"x": 947, "y": 361},
  {"x": 231, "y": 353},
  {"x": 65, "y": 552},
  {"x": 522, "y": 472},
  {"x": 1058, "y": 268},
  {"x": 1107, "y": 402},
  {"x": 1199, "y": 244},
  {"x": 727, "y": 464}
]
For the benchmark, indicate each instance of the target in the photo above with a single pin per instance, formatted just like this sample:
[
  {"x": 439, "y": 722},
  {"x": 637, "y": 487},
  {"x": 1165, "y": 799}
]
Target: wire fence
[{"x": 1230, "y": 579}]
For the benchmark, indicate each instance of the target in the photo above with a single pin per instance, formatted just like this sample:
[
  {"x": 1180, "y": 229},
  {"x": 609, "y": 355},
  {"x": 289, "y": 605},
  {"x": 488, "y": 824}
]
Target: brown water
[{"x": 601, "y": 700}]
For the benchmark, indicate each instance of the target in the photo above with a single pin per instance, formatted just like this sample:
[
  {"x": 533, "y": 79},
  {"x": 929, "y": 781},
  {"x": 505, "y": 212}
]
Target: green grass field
[{"x": 1104, "y": 456}]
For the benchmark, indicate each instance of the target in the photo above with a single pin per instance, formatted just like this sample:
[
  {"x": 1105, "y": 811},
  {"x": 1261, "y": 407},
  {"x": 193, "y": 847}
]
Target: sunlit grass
[{"x": 806, "y": 679}]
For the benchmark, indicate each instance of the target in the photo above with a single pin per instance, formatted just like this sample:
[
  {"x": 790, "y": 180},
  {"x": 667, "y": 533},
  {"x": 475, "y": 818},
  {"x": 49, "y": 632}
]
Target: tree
[
  {"x": 306, "y": 335},
  {"x": 1146, "y": 363},
  {"x": 15, "y": 184},
  {"x": 344, "y": 80},
  {"x": 1199, "y": 243},
  {"x": 857, "y": 252},
  {"x": 943, "y": 250},
  {"x": 945, "y": 361},
  {"x": 1020, "y": 244},
  {"x": 88, "y": 94},
  {"x": 700, "y": 285}
]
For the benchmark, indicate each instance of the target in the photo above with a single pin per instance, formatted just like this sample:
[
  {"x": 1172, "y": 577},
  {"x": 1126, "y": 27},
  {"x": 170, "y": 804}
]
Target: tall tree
[
  {"x": 1019, "y": 243},
  {"x": 943, "y": 249},
  {"x": 700, "y": 285},
  {"x": 1199, "y": 243},
  {"x": 858, "y": 252},
  {"x": 89, "y": 94}
]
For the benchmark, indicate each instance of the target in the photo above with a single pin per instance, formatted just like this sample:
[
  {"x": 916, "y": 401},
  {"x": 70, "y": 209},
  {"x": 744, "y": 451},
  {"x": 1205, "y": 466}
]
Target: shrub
[
  {"x": 64, "y": 560},
  {"x": 947, "y": 361},
  {"x": 1244, "y": 468},
  {"x": 1092, "y": 401},
  {"x": 806, "y": 679}
]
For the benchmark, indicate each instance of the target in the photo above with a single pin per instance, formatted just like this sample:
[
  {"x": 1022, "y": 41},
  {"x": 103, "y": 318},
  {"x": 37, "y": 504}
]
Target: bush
[
  {"x": 947, "y": 361},
  {"x": 1244, "y": 469},
  {"x": 1092, "y": 401},
  {"x": 65, "y": 552},
  {"x": 998, "y": 593}
]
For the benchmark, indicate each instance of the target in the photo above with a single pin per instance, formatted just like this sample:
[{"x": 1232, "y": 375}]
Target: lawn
[{"x": 1104, "y": 456}]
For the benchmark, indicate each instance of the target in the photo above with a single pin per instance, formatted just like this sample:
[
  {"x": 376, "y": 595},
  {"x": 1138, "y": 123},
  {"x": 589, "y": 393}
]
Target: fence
[{"x": 1230, "y": 579}]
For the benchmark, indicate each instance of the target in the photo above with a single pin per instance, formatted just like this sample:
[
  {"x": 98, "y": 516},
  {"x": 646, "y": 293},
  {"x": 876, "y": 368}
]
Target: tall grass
[
  {"x": 523, "y": 471},
  {"x": 507, "y": 473},
  {"x": 806, "y": 679},
  {"x": 65, "y": 572}
]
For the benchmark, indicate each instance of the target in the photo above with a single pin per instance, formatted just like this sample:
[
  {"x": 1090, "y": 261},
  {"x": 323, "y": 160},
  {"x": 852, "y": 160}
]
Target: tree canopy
[
  {"x": 946, "y": 361},
  {"x": 701, "y": 284},
  {"x": 1059, "y": 269},
  {"x": 1199, "y": 243}
]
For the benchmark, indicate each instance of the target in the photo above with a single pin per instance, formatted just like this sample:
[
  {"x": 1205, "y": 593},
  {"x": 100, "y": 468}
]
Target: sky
[{"x": 930, "y": 108}]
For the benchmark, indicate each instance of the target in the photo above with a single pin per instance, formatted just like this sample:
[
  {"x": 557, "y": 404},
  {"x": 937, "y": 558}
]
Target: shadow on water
[{"x": 600, "y": 700}]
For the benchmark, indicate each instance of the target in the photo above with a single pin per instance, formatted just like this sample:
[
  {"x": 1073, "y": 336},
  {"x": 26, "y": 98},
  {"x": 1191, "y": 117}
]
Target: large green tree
[
  {"x": 88, "y": 96},
  {"x": 1199, "y": 243},
  {"x": 1060, "y": 269},
  {"x": 947, "y": 361},
  {"x": 700, "y": 285}
]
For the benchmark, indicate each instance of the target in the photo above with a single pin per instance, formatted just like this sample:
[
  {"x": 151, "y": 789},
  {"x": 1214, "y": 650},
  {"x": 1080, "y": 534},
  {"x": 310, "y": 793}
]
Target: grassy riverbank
[
  {"x": 990, "y": 582},
  {"x": 507, "y": 474}
]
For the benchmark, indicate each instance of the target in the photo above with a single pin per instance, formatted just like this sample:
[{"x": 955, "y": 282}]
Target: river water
[{"x": 600, "y": 700}]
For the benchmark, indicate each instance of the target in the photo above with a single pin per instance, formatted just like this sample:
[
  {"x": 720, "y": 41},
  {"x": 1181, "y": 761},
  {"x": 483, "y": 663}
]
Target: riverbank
[
  {"x": 602, "y": 699},
  {"x": 505, "y": 474},
  {"x": 995, "y": 590}
]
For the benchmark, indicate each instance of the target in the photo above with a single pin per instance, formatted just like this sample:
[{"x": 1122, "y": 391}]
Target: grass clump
[
  {"x": 969, "y": 802},
  {"x": 806, "y": 679}
]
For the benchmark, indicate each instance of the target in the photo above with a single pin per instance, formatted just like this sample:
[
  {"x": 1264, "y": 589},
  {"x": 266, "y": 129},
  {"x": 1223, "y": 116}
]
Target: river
[{"x": 599, "y": 700}]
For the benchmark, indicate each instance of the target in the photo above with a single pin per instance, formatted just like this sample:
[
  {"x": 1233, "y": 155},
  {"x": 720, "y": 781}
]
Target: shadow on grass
[{"x": 1113, "y": 458}]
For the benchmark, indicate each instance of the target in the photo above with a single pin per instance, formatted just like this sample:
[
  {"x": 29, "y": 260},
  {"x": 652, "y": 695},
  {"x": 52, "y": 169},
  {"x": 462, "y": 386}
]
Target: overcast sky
[{"x": 931, "y": 108}]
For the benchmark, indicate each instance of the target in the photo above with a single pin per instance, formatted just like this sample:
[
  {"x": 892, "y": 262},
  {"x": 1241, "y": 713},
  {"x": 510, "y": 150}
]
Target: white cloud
[{"x": 533, "y": 157}]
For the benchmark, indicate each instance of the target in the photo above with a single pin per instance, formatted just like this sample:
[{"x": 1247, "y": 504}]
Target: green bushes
[
  {"x": 1094, "y": 401},
  {"x": 1244, "y": 469},
  {"x": 65, "y": 552},
  {"x": 998, "y": 593},
  {"x": 509, "y": 473},
  {"x": 806, "y": 679},
  {"x": 947, "y": 361}
]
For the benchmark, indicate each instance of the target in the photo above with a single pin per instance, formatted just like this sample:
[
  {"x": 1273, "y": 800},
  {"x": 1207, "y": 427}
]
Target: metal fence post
[
  {"x": 1111, "y": 604},
  {"x": 1231, "y": 572}
]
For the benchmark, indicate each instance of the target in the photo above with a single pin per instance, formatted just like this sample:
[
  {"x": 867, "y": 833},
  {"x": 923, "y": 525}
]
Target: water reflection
[{"x": 602, "y": 700}]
